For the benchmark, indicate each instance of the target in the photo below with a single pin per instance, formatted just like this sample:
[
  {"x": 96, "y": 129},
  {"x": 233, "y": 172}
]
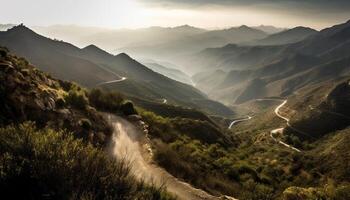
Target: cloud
[{"x": 315, "y": 5}]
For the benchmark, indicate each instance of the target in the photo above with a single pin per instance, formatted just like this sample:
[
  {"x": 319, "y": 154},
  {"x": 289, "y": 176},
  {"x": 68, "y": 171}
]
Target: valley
[{"x": 248, "y": 112}]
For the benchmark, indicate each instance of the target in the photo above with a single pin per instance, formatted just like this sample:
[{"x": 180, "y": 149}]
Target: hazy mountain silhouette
[
  {"x": 172, "y": 73},
  {"x": 172, "y": 49},
  {"x": 286, "y": 37},
  {"x": 236, "y": 34},
  {"x": 269, "y": 29},
  {"x": 112, "y": 39},
  {"x": 90, "y": 66}
]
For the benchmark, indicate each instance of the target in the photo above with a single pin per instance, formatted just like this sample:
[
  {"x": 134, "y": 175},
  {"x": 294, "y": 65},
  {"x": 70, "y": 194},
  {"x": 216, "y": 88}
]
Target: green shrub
[
  {"x": 246, "y": 169},
  {"x": 106, "y": 101},
  {"x": 342, "y": 192},
  {"x": 77, "y": 99}
]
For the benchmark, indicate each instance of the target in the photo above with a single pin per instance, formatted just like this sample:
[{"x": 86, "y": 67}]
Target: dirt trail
[
  {"x": 127, "y": 144},
  {"x": 239, "y": 120},
  {"x": 114, "y": 81},
  {"x": 280, "y": 130}
]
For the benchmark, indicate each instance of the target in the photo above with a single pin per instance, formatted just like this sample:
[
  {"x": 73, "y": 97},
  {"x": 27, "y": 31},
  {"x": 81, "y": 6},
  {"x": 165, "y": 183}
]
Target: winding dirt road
[
  {"x": 277, "y": 130},
  {"x": 128, "y": 142},
  {"x": 239, "y": 120},
  {"x": 114, "y": 81},
  {"x": 280, "y": 130}
]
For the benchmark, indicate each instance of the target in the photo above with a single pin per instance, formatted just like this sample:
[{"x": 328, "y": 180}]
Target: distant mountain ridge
[
  {"x": 91, "y": 66},
  {"x": 279, "y": 70},
  {"x": 157, "y": 43},
  {"x": 293, "y": 35},
  {"x": 269, "y": 29},
  {"x": 174, "y": 48}
]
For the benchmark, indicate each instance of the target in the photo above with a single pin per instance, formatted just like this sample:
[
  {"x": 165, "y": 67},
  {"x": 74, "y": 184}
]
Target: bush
[
  {"x": 77, "y": 99},
  {"x": 60, "y": 102},
  {"x": 46, "y": 164},
  {"x": 106, "y": 101},
  {"x": 128, "y": 108},
  {"x": 342, "y": 192},
  {"x": 85, "y": 124},
  {"x": 246, "y": 169}
]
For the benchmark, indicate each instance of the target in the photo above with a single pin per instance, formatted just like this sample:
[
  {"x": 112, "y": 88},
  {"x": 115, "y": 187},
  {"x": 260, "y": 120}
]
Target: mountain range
[
  {"x": 280, "y": 70},
  {"x": 157, "y": 43},
  {"x": 289, "y": 36},
  {"x": 92, "y": 67}
]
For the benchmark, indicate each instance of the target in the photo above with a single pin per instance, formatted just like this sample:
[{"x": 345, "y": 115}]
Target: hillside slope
[{"x": 52, "y": 141}]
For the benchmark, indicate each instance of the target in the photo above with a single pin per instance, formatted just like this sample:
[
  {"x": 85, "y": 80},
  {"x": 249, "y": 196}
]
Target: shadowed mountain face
[
  {"x": 281, "y": 69},
  {"x": 321, "y": 108},
  {"x": 91, "y": 66},
  {"x": 172, "y": 73}
]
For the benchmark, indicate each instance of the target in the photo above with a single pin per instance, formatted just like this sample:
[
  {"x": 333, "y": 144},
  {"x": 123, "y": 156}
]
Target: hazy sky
[{"x": 202, "y": 13}]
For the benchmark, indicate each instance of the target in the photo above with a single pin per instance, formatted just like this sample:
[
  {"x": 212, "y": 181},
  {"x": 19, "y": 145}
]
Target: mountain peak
[
  {"x": 123, "y": 56},
  {"x": 302, "y": 28},
  {"x": 93, "y": 47},
  {"x": 187, "y": 27},
  {"x": 20, "y": 28},
  {"x": 244, "y": 27},
  {"x": 184, "y": 26}
]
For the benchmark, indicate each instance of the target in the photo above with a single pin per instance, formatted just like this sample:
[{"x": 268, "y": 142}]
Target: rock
[
  {"x": 39, "y": 104},
  {"x": 134, "y": 118},
  {"x": 100, "y": 138},
  {"x": 65, "y": 112},
  {"x": 141, "y": 123},
  {"x": 50, "y": 104},
  {"x": 25, "y": 72}
]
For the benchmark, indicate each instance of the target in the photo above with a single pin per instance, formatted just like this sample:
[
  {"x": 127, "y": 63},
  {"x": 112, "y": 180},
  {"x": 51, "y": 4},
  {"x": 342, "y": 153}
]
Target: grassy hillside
[
  {"x": 244, "y": 162},
  {"x": 44, "y": 163},
  {"x": 324, "y": 113},
  {"x": 249, "y": 164},
  {"x": 29, "y": 94},
  {"x": 52, "y": 139}
]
